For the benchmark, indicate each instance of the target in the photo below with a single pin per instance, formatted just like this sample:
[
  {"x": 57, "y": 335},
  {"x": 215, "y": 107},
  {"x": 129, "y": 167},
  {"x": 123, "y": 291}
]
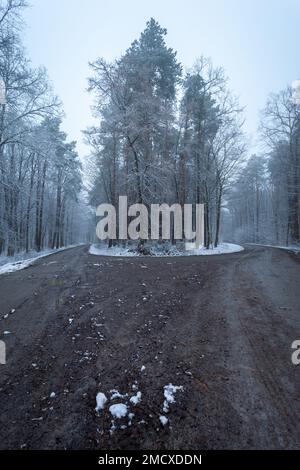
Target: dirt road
[{"x": 219, "y": 326}]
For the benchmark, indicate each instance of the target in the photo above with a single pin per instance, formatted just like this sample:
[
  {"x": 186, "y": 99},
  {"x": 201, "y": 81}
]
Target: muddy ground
[{"x": 219, "y": 326}]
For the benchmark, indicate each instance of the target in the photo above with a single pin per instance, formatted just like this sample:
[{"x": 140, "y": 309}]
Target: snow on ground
[
  {"x": 16, "y": 266},
  {"x": 163, "y": 419},
  {"x": 119, "y": 410},
  {"x": 100, "y": 401},
  {"x": 169, "y": 394},
  {"x": 123, "y": 408},
  {"x": 294, "y": 248},
  {"x": 130, "y": 418},
  {"x": 21, "y": 263},
  {"x": 158, "y": 251},
  {"x": 113, "y": 251},
  {"x": 222, "y": 248},
  {"x": 136, "y": 398}
]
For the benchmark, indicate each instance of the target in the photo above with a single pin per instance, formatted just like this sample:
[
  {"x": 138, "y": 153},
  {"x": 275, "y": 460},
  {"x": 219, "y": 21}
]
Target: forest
[
  {"x": 162, "y": 135},
  {"x": 40, "y": 171}
]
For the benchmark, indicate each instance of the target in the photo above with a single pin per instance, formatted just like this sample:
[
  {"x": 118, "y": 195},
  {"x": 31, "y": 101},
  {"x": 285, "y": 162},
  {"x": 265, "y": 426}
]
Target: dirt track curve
[{"x": 220, "y": 326}]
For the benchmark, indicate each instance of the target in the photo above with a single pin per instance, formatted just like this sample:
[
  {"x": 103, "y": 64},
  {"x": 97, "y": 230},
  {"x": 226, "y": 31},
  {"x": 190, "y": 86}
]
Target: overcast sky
[{"x": 256, "y": 41}]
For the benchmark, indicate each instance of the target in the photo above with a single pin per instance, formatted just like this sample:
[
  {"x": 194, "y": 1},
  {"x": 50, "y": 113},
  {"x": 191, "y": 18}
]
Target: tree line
[
  {"x": 40, "y": 171},
  {"x": 265, "y": 200}
]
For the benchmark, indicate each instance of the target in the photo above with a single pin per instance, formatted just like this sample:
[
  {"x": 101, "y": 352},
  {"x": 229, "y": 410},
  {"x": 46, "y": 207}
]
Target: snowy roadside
[
  {"x": 223, "y": 248},
  {"x": 113, "y": 251},
  {"x": 19, "y": 264},
  {"x": 295, "y": 249}
]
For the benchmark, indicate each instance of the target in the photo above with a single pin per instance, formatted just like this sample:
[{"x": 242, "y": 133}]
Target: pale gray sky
[{"x": 256, "y": 41}]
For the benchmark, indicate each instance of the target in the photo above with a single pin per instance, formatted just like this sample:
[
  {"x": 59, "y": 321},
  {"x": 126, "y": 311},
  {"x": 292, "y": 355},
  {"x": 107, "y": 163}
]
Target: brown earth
[{"x": 220, "y": 326}]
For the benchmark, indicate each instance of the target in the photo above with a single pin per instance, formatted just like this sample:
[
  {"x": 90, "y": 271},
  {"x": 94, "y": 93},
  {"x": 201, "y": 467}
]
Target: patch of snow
[
  {"x": 222, "y": 248},
  {"x": 143, "y": 368},
  {"x": 130, "y": 418},
  {"x": 100, "y": 401},
  {"x": 163, "y": 419},
  {"x": 169, "y": 392},
  {"x": 119, "y": 410},
  {"x": 113, "y": 251},
  {"x": 136, "y": 398},
  {"x": 12, "y": 267},
  {"x": 52, "y": 395}
]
